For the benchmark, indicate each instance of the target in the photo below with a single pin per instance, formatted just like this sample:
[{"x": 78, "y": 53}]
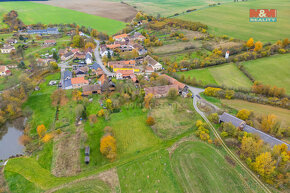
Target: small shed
[
  {"x": 87, "y": 150},
  {"x": 87, "y": 159}
]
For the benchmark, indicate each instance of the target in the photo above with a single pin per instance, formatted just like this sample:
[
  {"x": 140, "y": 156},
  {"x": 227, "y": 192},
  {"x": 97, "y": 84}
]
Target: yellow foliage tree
[
  {"x": 264, "y": 165},
  {"x": 41, "y": 130},
  {"x": 244, "y": 114},
  {"x": 77, "y": 95},
  {"x": 108, "y": 147},
  {"x": 90, "y": 45},
  {"x": 268, "y": 122},
  {"x": 258, "y": 46},
  {"x": 250, "y": 43},
  {"x": 250, "y": 148},
  {"x": 147, "y": 100},
  {"x": 47, "y": 137}
]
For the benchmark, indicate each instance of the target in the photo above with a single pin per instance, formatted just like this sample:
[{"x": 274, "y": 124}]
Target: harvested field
[
  {"x": 172, "y": 117},
  {"x": 174, "y": 46},
  {"x": 66, "y": 161},
  {"x": 111, "y": 178},
  {"x": 113, "y": 10}
]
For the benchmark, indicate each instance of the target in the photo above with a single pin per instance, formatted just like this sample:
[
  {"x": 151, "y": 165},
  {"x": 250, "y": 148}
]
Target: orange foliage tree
[
  {"x": 108, "y": 147},
  {"x": 150, "y": 121},
  {"x": 41, "y": 130}
]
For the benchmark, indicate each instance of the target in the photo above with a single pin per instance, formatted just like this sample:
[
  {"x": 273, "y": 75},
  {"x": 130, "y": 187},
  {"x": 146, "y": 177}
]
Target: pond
[{"x": 9, "y": 138}]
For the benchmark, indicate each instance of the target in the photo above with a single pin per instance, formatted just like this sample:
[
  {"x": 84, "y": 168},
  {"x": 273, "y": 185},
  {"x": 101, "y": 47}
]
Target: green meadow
[
  {"x": 32, "y": 13},
  {"x": 274, "y": 70},
  {"x": 234, "y": 18},
  {"x": 228, "y": 75},
  {"x": 170, "y": 7}
]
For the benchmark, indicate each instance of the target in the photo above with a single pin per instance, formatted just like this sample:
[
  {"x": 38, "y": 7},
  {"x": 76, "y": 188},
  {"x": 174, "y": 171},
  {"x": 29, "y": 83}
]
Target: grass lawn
[
  {"x": 32, "y": 13},
  {"x": 40, "y": 100},
  {"x": 151, "y": 173},
  {"x": 86, "y": 186},
  {"x": 201, "y": 168},
  {"x": 169, "y": 7},
  {"x": 173, "y": 118},
  {"x": 18, "y": 184},
  {"x": 259, "y": 109},
  {"x": 10, "y": 81},
  {"x": 274, "y": 70},
  {"x": 234, "y": 18},
  {"x": 230, "y": 76},
  {"x": 200, "y": 74}
]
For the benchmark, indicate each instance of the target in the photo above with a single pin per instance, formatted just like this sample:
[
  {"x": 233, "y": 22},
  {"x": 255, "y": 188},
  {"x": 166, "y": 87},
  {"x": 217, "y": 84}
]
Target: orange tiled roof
[
  {"x": 174, "y": 81},
  {"x": 125, "y": 72},
  {"x": 113, "y": 46},
  {"x": 79, "y": 80},
  {"x": 120, "y": 36}
]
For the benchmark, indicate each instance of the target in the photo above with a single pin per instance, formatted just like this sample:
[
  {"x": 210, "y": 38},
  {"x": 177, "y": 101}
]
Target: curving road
[{"x": 195, "y": 92}]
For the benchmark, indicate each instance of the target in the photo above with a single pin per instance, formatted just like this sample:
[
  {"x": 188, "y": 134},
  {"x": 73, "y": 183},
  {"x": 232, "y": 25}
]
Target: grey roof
[
  {"x": 67, "y": 73},
  {"x": 67, "y": 83},
  {"x": 40, "y": 31},
  {"x": 95, "y": 66},
  {"x": 88, "y": 56},
  {"x": 68, "y": 54},
  {"x": 225, "y": 117}
]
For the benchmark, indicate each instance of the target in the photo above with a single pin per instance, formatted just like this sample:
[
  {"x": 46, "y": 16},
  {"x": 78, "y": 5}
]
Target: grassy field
[
  {"x": 173, "y": 117},
  {"x": 274, "y": 70},
  {"x": 32, "y": 13},
  {"x": 86, "y": 186},
  {"x": 152, "y": 173},
  {"x": 170, "y": 7},
  {"x": 200, "y": 74},
  {"x": 10, "y": 81},
  {"x": 201, "y": 168},
  {"x": 230, "y": 76},
  {"x": 259, "y": 109},
  {"x": 235, "y": 20}
]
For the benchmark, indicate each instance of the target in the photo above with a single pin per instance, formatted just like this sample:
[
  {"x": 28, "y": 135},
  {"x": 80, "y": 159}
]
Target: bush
[
  {"x": 217, "y": 142},
  {"x": 282, "y": 51},
  {"x": 93, "y": 118},
  {"x": 150, "y": 121},
  {"x": 232, "y": 142},
  {"x": 214, "y": 117},
  {"x": 244, "y": 114},
  {"x": 224, "y": 134},
  {"x": 172, "y": 93}
]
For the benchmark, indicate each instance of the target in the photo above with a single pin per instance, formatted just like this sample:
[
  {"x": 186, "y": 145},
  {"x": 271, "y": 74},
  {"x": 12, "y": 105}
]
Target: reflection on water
[{"x": 9, "y": 135}]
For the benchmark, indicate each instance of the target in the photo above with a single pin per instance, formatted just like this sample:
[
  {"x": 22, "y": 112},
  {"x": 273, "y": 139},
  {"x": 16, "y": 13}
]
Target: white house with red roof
[{"x": 4, "y": 71}]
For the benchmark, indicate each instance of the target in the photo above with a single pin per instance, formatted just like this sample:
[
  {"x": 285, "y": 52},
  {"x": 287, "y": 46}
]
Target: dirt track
[{"x": 103, "y": 8}]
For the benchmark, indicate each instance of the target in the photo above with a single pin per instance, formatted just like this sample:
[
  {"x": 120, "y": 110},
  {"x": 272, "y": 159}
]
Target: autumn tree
[
  {"x": 77, "y": 95},
  {"x": 109, "y": 104},
  {"x": 244, "y": 114},
  {"x": 59, "y": 97},
  {"x": 250, "y": 43},
  {"x": 108, "y": 147},
  {"x": 264, "y": 165},
  {"x": 78, "y": 41},
  {"x": 147, "y": 100},
  {"x": 270, "y": 124},
  {"x": 47, "y": 137},
  {"x": 90, "y": 45},
  {"x": 258, "y": 46},
  {"x": 79, "y": 110},
  {"x": 230, "y": 129},
  {"x": 150, "y": 121},
  {"x": 250, "y": 147},
  {"x": 41, "y": 130},
  {"x": 172, "y": 93}
]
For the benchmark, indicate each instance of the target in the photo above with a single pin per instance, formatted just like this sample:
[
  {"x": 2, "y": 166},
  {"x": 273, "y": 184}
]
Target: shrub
[
  {"x": 198, "y": 123},
  {"x": 244, "y": 114},
  {"x": 172, "y": 93},
  {"x": 232, "y": 142},
  {"x": 224, "y": 134},
  {"x": 217, "y": 142},
  {"x": 108, "y": 147},
  {"x": 101, "y": 113},
  {"x": 214, "y": 117},
  {"x": 282, "y": 51},
  {"x": 24, "y": 139},
  {"x": 150, "y": 121},
  {"x": 93, "y": 118}
]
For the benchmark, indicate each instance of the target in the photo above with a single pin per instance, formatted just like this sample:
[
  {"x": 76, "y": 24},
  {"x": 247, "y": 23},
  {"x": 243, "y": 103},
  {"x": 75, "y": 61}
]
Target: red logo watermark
[{"x": 263, "y": 15}]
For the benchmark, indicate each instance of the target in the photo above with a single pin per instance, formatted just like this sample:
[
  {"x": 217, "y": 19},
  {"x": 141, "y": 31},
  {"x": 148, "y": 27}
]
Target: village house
[
  {"x": 96, "y": 68},
  {"x": 160, "y": 91},
  {"x": 67, "y": 76},
  {"x": 75, "y": 50},
  {"x": 11, "y": 41},
  {"x": 79, "y": 82},
  {"x": 148, "y": 70},
  {"x": 61, "y": 52},
  {"x": 89, "y": 58},
  {"x": 105, "y": 51},
  {"x": 121, "y": 37},
  {"x": 67, "y": 56},
  {"x": 126, "y": 48},
  {"x": 4, "y": 71},
  {"x": 44, "y": 62},
  {"x": 49, "y": 43},
  {"x": 92, "y": 89},
  {"x": 42, "y": 31},
  {"x": 151, "y": 62},
  {"x": 81, "y": 71},
  {"x": 182, "y": 88},
  {"x": 139, "y": 48},
  {"x": 137, "y": 37},
  {"x": 123, "y": 62},
  {"x": 7, "y": 49},
  {"x": 124, "y": 74},
  {"x": 80, "y": 55}
]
